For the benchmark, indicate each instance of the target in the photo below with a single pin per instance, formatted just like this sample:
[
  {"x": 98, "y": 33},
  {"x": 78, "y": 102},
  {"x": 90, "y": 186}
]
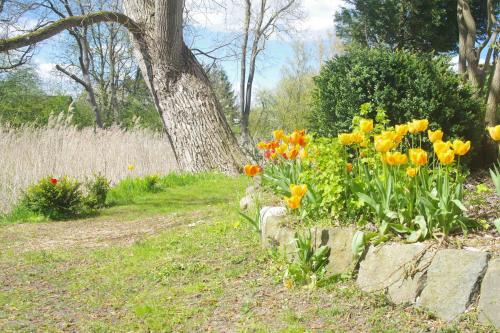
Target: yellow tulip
[
  {"x": 298, "y": 190},
  {"x": 383, "y": 145},
  {"x": 282, "y": 149},
  {"x": 461, "y": 148},
  {"x": 357, "y": 137},
  {"x": 293, "y": 202},
  {"x": 418, "y": 156},
  {"x": 401, "y": 130},
  {"x": 440, "y": 146},
  {"x": 366, "y": 125},
  {"x": 417, "y": 126},
  {"x": 446, "y": 157},
  {"x": 411, "y": 172},
  {"x": 262, "y": 145},
  {"x": 396, "y": 158},
  {"x": 279, "y": 134},
  {"x": 435, "y": 136},
  {"x": 495, "y": 132},
  {"x": 345, "y": 138},
  {"x": 131, "y": 167}
]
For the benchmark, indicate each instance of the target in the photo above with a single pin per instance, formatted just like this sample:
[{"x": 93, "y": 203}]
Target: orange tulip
[
  {"x": 252, "y": 170},
  {"x": 292, "y": 153},
  {"x": 348, "y": 167}
]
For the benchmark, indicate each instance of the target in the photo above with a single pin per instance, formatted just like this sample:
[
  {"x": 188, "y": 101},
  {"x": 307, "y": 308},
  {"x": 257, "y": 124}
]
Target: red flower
[
  {"x": 53, "y": 181},
  {"x": 267, "y": 154}
]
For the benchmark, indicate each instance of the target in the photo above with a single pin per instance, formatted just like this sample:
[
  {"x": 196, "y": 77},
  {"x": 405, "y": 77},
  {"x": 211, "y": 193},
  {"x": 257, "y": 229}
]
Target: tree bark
[{"x": 193, "y": 118}]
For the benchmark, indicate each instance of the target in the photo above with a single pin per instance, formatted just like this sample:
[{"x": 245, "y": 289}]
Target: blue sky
[{"x": 212, "y": 27}]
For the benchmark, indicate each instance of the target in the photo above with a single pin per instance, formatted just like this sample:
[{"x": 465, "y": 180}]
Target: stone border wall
[{"x": 448, "y": 282}]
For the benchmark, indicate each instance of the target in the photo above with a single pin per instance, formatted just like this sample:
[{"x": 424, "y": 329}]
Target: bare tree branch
[{"x": 64, "y": 24}]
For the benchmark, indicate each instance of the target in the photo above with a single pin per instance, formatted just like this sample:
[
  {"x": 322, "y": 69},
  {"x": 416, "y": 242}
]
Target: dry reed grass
[{"x": 28, "y": 154}]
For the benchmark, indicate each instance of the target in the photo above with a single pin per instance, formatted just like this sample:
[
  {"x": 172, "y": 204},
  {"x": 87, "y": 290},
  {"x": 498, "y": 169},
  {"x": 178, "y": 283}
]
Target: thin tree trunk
[
  {"x": 493, "y": 97},
  {"x": 244, "y": 122},
  {"x": 462, "y": 36}
]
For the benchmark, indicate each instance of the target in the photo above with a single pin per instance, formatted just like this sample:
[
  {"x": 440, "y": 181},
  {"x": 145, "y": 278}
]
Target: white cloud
[
  {"x": 45, "y": 70},
  {"x": 319, "y": 15}
]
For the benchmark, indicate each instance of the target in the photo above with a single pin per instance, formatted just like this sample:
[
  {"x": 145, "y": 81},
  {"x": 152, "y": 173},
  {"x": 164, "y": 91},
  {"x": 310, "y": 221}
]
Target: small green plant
[
  {"x": 55, "y": 198},
  {"x": 310, "y": 266},
  {"x": 97, "y": 192},
  {"x": 153, "y": 183},
  {"x": 254, "y": 221},
  {"x": 495, "y": 176}
]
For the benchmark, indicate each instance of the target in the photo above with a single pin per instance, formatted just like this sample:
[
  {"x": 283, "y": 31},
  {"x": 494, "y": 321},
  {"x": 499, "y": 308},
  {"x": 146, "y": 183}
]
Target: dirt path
[{"x": 90, "y": 233}]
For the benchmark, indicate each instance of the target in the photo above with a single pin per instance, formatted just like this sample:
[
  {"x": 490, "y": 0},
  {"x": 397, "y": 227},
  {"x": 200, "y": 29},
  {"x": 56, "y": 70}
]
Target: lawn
[{"x": 183, "y": 261}]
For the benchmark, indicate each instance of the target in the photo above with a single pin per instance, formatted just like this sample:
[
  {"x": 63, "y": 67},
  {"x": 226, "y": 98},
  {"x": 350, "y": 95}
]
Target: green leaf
[
  {"x": 358, "y": 244},
  {"x": 497, "y": 224},
  {"x": 459, "y": 204}
]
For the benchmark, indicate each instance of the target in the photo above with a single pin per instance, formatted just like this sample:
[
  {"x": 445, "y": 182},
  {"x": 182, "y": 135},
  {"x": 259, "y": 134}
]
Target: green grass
[
  {"x": 212, "y": 276},
  {"x": 134, "y": 197}
]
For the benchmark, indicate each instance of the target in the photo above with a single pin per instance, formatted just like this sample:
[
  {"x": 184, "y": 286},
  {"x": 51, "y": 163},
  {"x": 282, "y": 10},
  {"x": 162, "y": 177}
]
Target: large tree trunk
[{"x": 193, "y": 118}]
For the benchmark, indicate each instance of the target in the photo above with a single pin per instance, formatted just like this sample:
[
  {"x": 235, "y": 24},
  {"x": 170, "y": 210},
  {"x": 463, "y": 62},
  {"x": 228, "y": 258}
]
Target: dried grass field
[{"x": 29, "y": 153}]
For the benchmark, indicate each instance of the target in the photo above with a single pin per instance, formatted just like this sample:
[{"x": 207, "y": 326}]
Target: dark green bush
[
  {"x": 405, "y": 84},
  {"x": 55, "y": 198},
  {"x": 97, "y": 192}
]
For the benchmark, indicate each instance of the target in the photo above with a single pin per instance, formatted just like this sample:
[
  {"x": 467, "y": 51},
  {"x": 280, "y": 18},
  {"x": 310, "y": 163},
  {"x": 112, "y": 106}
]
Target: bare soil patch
[{"x": 89, "y": 233}]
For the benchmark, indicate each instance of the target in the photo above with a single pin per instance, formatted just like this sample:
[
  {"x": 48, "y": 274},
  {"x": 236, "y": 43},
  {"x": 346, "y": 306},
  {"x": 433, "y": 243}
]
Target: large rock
[
  {"x": 271, "y": 220},
  {"x": 339, "y": 239},
  {"x": 489, "y": 301},
  {"x": 395, "y": 268},
  {"x": 452, "y": 280}
]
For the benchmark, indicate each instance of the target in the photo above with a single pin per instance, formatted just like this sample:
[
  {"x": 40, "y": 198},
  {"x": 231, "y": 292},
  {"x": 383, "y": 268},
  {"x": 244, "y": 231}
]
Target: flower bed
[
  {"x": 402, "y": 181},
  {"x": 374, "y": 186}
]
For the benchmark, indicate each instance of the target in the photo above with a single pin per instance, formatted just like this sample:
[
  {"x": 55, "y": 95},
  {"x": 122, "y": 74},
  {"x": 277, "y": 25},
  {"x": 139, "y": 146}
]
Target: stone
[
  {"x": 271, "y": 219},
  {"x": 452, "y": 281},
  {"x": 385, "y": 268},
  {"x": 251, "y": 190},
  {"x": 246, "y": 203},
  {"x": 489, "y": 300},
  {"x": 339, "y": 239}
]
